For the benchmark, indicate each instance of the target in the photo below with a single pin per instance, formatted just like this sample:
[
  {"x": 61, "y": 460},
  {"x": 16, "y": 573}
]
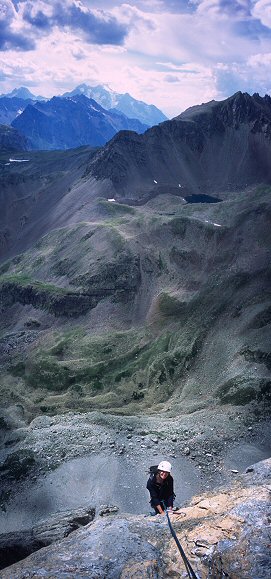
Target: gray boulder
[{"x": 18, "y": 545}]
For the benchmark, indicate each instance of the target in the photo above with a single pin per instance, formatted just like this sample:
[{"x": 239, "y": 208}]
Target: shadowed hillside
[
  {"x": 214, "y": 147},
  {"x": 11, "y": 140}
]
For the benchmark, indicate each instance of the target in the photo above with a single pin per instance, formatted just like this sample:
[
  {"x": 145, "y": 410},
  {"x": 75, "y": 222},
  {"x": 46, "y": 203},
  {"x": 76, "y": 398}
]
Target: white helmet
[{"x": 165, "y": 466}]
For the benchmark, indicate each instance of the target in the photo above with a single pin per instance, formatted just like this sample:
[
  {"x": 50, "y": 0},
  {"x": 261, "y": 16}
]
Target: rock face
[
  {"x": 18, "y": 545},
  {"x": 64, "y": 123},
  {"x": 54, "y": 300},
  {"x": 223, "y": 535},
  {"x": 227, "y": 533}
]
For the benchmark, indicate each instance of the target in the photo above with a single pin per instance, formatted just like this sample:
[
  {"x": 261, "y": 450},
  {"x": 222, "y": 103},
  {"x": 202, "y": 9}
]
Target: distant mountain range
[
  {"x": 132, "y": 108},
  {"x": 204, "y": 152},
  {"x": 23, "y": 93},
  {"x": 85, "y": 116},
  {"x": 66, "y": 123}
]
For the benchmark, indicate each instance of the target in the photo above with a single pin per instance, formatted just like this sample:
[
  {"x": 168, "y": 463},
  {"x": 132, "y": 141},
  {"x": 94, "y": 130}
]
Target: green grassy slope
[{"x": 165, "y": 306}]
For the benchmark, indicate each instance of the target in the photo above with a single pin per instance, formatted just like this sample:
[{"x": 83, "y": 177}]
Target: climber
[{"x": 160, "y": 487}]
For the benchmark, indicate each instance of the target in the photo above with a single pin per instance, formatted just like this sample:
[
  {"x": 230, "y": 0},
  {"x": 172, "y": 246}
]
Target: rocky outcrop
[
  {"x": 55, "y": 300},
  {"x": 18, "y": 545},
  {"x": 121, "y": 277},
  {"x": 224, "y": 534},
  {"x": 227, "y": 534},
  {"x": 18, "y": 465}
]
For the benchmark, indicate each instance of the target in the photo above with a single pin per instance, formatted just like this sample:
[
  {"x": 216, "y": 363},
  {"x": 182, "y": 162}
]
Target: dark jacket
[{"x": 160, "y": 492}]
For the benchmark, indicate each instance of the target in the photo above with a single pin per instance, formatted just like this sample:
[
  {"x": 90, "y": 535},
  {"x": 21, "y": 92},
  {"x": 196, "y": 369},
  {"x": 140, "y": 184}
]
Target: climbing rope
[{"x": 191, "y": 574}]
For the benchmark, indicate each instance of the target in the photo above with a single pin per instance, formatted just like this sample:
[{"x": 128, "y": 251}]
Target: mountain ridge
[
  {"x": 241, "y": 131},
  {"x": 23, "y": 93},
  {"x": 10, "y": 108},
  {"x": 103, "y": 95},
  {"x": 70, "y": 122}
]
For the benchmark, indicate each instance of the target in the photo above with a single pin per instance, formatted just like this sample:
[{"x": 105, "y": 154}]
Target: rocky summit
[{"x": 135, "y": 326}]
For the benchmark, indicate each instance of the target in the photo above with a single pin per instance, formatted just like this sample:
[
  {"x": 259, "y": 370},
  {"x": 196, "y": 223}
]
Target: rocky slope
[
  {"x": 143, "y": 308},
  {"x": 171, "y": 298},
  {"x": 223, "y": 534},
  {"x": 31, "y": 186}
]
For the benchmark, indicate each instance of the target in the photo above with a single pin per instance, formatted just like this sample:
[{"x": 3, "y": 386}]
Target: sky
[{"x": 170, "y": 53}]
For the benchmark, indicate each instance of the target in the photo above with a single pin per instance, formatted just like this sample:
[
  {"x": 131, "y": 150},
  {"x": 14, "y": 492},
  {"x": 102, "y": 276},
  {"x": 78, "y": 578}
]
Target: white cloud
[
  {"x": 262, "y": 10},
  {"x": 251, "y": 76},
  {"x": 224, "y": 8},
  {"x": 260, "y": 60},
  {"x": 192, "y": 37}
]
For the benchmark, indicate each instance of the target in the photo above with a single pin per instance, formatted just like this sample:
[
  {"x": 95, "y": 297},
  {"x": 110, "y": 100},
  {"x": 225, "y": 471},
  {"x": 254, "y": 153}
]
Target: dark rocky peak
[
  {"x": 192, "y": 112},
  {"x": 243, "y": 108},
  {"x": 127, "y": 138},
  {"x": 118, "y": 156},
  {"x": 189, "y": 151},
  {"x": 79, "y": 101},
  {"x": 238, "y": 109},
  {"x": 264, "y": 102},
  {"x": 78, "y": 98}
]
